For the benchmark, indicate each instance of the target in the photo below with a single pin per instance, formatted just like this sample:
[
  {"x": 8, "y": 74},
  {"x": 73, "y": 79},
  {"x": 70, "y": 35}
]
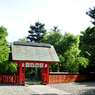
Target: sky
[{"x": 69, "y": 15}]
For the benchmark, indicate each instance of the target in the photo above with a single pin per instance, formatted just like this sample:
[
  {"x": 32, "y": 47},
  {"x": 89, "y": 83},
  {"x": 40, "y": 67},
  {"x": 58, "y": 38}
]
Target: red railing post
[
  {"x": 15, "y": 80},
  {"x": 20, "y": 72},
  {"x": 47, "y": 73},
  {"x": 44, "y": 73},
  {"x": 10, "y": 79},
  {"x": 5, "y": 78},
  {"x": 24, "y": 74},
  {"x": 0, "y": 78}
]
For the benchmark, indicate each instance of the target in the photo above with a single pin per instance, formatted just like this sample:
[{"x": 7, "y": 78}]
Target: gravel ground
[
  {"x": 7, "y": 89},
  {"x": 77, "y": 88}
]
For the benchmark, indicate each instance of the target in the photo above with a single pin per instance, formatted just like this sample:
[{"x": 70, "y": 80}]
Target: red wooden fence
[
  {"x": 64, "y": 78},
  {"x": 9, "y": 79}
]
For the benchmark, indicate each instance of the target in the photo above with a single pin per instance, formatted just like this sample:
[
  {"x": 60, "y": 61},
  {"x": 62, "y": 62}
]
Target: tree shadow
[
  {"x": 89, "y": 87},
  {"x": 88, "y": 92},
  {"x": 86, "y": 83}
]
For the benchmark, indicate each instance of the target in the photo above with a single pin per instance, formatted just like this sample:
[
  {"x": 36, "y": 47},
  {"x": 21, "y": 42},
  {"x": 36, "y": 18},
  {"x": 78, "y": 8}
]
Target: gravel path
[
  {"x": 77, "y": 88},
  {"x": 30, "y": 90},
  {"x": 15, "y": 90}
]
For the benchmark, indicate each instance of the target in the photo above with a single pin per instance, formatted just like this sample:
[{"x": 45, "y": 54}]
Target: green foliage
[
  {"x": 91, "y": 13},
  {"x": 37, "y": 32},
  {"x": 55, "y": 67},
  {"x": 69, "y": 41},
  {"x": 70, "y": 57},
  {"x": 9, "y": 67},
  {"x": 55, "y": 29},
  {"x": 30, "y": 71},
  {"x": 3, "y": 32},
  {"x": 23, "y": 39},
  {"x": 82, "y": 61},
  {"x": 52, "y": 38},
  {"x": 67, "y": 48},
  {"x": 71, "y": 54},
  {"x": 5, "y": 65},
  {"x": 4, "y": 50},
  {"x": 87, "y": 45}
]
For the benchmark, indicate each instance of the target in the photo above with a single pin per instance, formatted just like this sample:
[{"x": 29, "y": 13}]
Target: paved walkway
[{"x": 30, "y": 90}]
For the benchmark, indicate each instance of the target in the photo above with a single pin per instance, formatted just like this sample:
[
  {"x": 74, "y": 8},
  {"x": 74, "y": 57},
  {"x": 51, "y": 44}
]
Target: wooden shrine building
[{"x": 27, "y": 54}]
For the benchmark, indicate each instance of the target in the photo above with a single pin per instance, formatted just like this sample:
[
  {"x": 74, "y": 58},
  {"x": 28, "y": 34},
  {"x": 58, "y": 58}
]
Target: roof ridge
[{"x": 32, "y": 44}]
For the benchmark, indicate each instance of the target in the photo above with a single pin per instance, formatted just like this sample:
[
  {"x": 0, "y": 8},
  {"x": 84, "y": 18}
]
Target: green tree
[
  {"x": 67, "y": 48},
  {"x": 55, "y": 29},
  {"x": 54, "y": 39},
  {"x": 5, "y": 65},
  {"x": 91, "y": 13},
  {"x": 4, "y": 49},
  {"x": 71, "y": 54},
  {"x": 37, "y": 32},
  {"x": 87, "y": 46}
]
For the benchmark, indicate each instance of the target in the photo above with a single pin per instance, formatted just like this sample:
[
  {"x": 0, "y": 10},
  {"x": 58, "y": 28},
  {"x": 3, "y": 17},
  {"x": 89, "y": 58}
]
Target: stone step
[{"x": 32, "y": 82}]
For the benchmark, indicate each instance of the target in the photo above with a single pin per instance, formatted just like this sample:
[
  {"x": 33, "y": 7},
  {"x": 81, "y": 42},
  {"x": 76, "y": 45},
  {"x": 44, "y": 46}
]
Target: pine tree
[
  {"x": 91, "y": 13},
  {"x": 37, "y": 32}
]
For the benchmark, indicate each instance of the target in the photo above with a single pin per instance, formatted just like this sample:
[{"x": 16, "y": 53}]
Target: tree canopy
[
  {"x": 67, "y": 48},
  {"x": 5, "y": 65},
  {"x": 87, "y": 45},
  {"x": 55, "y": 29},
  {"x": 37, "y": 32},
  {"x": 4, "y": 50}
]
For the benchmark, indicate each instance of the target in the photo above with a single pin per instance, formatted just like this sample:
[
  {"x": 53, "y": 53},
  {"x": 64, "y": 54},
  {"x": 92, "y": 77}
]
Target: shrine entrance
[
  {"x": 21, "y": 70},
  {"x": 27, "y": 54}
]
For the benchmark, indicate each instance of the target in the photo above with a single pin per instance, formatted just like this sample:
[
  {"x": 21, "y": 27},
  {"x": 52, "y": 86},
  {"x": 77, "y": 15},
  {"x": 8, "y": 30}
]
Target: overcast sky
[{"x": 68, "y": 15}]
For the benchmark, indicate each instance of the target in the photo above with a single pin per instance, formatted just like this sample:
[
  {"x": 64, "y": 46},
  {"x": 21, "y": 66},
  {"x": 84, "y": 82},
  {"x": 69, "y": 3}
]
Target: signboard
[
  {"x": 45, "y": 65},
  {"x": 22, "y": 64},
  {"x": 34, "y": 65},
  {"x": 41, "y": 65},
  {"x": 27, "y": 65}
]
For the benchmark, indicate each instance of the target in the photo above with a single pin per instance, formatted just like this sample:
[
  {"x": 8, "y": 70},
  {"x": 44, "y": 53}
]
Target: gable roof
[{"x": 27, "y": 51}]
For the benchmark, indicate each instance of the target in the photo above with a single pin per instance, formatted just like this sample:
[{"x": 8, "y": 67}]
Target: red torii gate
[
  {"x": 21, "y": 52},
  {"x": 21, "y": 71}
]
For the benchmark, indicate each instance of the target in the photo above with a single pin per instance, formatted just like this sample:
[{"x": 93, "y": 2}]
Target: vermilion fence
[
  {"x": 64, "y": 78},
  {"x": 9, "y": 79}
]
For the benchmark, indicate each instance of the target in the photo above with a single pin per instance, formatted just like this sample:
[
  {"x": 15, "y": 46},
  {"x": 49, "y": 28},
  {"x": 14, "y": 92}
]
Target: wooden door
[{"x": 45, "y": 74}]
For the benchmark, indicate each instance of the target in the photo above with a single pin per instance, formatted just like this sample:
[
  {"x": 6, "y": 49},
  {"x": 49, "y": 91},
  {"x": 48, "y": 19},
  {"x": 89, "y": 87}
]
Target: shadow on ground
[{"x": 89, "y": 88}]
